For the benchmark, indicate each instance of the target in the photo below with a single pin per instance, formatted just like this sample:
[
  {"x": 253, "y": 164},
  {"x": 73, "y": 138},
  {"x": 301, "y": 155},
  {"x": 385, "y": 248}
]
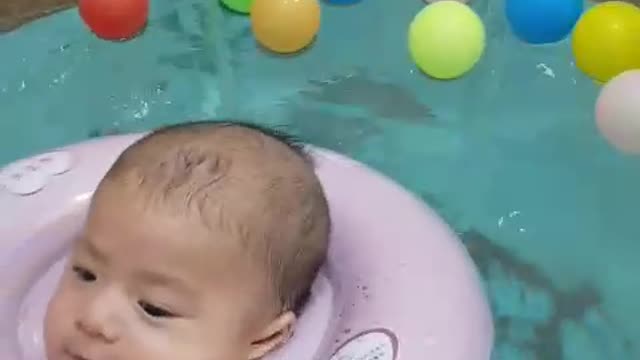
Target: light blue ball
[{"x": 543, "y": 21}]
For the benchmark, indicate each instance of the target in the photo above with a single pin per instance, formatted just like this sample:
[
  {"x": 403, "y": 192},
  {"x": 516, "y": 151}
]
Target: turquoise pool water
[{"x": 508, "y": 155}]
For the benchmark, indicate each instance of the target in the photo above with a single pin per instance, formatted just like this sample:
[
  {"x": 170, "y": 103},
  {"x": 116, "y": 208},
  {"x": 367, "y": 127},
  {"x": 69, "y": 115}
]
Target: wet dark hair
[
  {"x": 291, "y": 141},
  {"x": 185, "y": 162}
]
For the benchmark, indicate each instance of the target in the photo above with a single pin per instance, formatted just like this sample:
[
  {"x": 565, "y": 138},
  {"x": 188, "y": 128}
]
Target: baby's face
[{"x": 139, "y": 287}]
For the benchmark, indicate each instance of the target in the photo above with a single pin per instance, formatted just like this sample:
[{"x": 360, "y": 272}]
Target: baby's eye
[
  {"x": 155, "y": 311},
  {"x": 84, "y": 274}
]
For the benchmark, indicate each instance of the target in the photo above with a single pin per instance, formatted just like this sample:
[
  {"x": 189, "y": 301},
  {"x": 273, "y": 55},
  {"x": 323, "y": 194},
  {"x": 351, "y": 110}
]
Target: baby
[{"x": 201, "y": 243}]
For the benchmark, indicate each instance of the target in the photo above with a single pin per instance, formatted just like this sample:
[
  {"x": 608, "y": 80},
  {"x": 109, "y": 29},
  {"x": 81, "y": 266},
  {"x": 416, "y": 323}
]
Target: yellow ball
[
  {"x": 446, "y": 39},
  {"x": 285, "y": 26},
  {"x": 606, "y": 40}
]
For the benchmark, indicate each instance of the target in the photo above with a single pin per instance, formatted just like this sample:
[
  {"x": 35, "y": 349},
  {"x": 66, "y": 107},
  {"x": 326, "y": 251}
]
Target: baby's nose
[{"x": 98, "y": 320}]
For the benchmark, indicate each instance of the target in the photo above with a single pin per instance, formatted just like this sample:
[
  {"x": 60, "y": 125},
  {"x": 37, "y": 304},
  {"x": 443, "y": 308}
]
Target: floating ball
[
  {"x": 446, "y": 39},
  {"x": 285, "y": 26},
  {"x": 542, "y": 21},
  {"x": 606, "y": 40},
  {"x": 618, "y": 112},
  {"x": 114, "y": 19},
  {"x": 241, "y": 6}
]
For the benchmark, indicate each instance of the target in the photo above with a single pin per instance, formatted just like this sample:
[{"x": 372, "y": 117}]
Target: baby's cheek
[
  {"x": 153, "y": 343},
  {"x": 58, "y": 321},
  {"x": 173, "y": 341}
]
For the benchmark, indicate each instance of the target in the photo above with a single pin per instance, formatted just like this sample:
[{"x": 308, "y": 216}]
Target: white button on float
[
  {"x": 26, "y": 177},
  {"x": 3, "y": 179},
  {"x": 375, "y": 345},
  {"x": 24, "y": 180},
  {"x": 54, "y": 163}
]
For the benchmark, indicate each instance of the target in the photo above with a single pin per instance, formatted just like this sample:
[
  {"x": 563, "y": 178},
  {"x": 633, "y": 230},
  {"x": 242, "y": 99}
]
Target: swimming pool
[{"x": 509, "y": 154}]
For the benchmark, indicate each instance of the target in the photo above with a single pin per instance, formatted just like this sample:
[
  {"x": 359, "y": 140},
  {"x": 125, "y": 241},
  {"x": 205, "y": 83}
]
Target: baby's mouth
[{"x": 74, "y": 356}]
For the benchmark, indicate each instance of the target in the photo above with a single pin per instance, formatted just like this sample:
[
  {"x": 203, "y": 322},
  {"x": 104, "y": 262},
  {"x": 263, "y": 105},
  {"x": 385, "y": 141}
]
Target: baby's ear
[{"x": 276, "y": 334}]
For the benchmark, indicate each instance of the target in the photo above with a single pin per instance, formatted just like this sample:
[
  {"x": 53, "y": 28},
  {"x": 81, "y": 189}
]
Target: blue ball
[{"x": 543, "y": 21}]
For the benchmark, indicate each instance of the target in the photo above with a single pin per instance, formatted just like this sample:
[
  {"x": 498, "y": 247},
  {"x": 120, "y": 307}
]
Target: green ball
[
  {"x": 446, "y": 39},
  {"x": 241, "y": 6}
]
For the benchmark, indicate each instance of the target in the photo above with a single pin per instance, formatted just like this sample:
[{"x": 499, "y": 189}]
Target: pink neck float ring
[{"x": 398, "y": 284}]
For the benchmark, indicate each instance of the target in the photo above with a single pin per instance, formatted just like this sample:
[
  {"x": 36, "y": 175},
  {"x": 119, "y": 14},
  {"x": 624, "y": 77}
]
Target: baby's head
[{"x": 201, "y": 243}]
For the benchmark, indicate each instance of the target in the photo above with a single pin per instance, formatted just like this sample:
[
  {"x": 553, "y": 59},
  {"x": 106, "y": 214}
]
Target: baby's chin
[
  {"x": 51, "y": 345},
  {"x": 59, "y": 355},
  {"x": 54, "y": 348},
  {"x": 55, "y": 352},
  {"x": 68, "y": 353}
]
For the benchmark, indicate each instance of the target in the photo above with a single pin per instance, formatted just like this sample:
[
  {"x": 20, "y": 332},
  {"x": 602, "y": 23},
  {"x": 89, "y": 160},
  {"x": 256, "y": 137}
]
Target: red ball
[{"x": 115, "y": 19}]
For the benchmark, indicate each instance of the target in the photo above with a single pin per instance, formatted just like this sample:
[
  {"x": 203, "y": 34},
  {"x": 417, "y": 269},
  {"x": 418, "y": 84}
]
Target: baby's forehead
[
  {"x": 199, "y": 168},
  {"x": 177, "y": 248},
  {"x": 147, "y": 238},
  {"x": 233, "y": 178}
]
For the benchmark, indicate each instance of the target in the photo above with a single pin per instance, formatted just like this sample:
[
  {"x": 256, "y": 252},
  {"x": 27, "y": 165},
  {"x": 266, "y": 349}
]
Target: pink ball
[{"x": 618, "y": 112}]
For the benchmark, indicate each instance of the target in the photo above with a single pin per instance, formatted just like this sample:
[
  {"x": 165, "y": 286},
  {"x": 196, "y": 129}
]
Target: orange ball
[
  {"x": 285, "y": 26},
  {"x": 114, "y": 19}
]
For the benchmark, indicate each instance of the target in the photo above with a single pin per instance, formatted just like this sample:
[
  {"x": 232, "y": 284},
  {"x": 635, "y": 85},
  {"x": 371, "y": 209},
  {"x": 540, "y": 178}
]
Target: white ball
[{"x": 618, "y": 112}]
